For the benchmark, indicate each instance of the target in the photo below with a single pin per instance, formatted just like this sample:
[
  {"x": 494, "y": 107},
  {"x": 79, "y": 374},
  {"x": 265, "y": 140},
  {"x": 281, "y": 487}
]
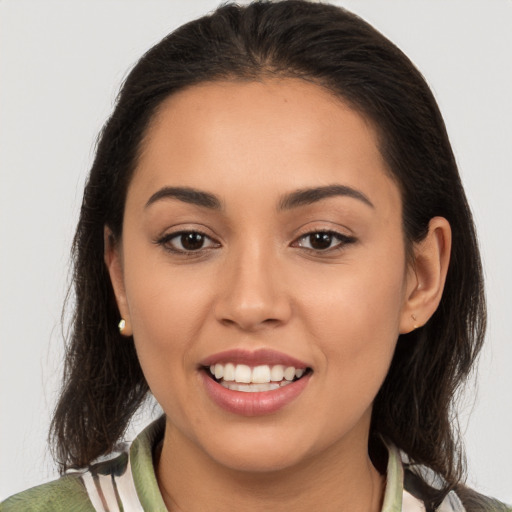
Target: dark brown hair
[{"x": 324, "y": 44}]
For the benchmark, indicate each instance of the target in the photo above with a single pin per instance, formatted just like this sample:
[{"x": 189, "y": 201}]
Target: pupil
[
  {"x": 321, "y": 240},
  {"x": 192, "y": 241}
]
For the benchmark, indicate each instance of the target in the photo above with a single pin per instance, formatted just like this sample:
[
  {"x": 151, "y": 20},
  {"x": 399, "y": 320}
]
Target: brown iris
[
  {"x": 192, "y": 241},
  {"x": 320, "y": 241}
]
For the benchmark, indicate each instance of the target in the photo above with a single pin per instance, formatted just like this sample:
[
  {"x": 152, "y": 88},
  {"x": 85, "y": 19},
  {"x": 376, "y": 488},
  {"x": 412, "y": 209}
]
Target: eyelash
[
  {"x": 343, "y": 240},
  {"x": 166, "y": 242}
]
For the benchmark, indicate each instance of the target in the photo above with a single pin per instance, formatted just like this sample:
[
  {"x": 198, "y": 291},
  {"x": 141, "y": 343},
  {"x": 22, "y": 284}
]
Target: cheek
[
  {"x": 355, "y": 316},
  {"x": 356, "y": 328},
  {"x": 166, "y": 326},
  {"x": 167, "y": 309},
  {"x": 359, "y": 298},
  {"x": 162, "y": 298}
]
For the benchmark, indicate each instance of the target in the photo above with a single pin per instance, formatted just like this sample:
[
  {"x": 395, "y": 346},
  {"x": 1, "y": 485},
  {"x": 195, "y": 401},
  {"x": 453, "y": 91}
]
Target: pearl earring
[{"x": 122, "y": 325}]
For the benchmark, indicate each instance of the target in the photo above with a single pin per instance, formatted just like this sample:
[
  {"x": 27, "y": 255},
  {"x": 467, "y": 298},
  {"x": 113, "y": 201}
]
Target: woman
[{"x": 274, "y": 240}]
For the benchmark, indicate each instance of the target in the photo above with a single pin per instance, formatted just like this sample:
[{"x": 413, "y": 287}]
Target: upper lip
[{"x": 253, "y": 358}]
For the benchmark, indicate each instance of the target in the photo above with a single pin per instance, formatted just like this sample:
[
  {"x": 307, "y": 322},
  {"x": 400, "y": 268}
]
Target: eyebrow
[
  {"x": 307, "y": 196},
  {"x": 186, "y": 195},
  {"x": 292, "y": 200}
]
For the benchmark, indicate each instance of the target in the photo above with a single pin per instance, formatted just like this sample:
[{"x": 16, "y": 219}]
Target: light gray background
[{"x": 61, "y": 63}]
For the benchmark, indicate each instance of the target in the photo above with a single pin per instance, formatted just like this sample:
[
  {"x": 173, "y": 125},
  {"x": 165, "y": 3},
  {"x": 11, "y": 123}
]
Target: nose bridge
[{"x": 252, "y": 294}]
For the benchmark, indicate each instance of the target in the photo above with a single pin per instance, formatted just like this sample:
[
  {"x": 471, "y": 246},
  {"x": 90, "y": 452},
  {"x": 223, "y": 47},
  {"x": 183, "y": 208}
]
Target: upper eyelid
[
  {"x": 324, "y": 225},
  {"x": 175, "y": 234},
  {"x": 333, "y": 231},
  {"x": 342, "y": 236},
  {"x": 172, "y": 231}
]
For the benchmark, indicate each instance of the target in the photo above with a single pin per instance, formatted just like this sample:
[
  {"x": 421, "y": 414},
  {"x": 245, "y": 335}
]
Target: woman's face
[{"x": 262, "y": 230}]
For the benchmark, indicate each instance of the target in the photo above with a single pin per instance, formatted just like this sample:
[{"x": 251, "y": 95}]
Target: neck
[{"x": 340, "y": 479}]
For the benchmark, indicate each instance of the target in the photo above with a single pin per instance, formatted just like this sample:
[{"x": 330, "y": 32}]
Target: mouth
[
  {"x": 255, "y": 379},
  {"x": 254, "y": 383}
]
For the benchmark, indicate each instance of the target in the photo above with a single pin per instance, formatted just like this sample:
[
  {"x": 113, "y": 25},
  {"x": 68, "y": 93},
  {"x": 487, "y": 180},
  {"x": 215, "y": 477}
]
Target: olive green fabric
[{"x": 65, "y": 494}]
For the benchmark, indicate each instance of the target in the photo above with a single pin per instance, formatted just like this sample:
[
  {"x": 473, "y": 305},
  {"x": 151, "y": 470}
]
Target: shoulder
[
  {"x": 476, "y": 502},
  {"x": 108, "y": 484},
  {"x": 67, "y": 494},
  {"x": 421, "y": 482},
  {"x": 85, "y": 490}
]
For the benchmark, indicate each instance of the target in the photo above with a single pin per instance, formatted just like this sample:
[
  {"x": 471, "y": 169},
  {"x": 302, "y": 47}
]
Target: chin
[
  {"x": 257, "y": 451},
  {"x": 258, "y": 461}
]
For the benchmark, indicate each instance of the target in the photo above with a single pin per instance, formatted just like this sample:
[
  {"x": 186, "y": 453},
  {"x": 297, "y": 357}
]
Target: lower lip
[{"x": 253, "y": 404}]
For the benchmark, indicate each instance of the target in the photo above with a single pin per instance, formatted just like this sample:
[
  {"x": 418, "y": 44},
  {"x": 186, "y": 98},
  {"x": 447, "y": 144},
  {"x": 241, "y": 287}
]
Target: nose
[{"x": 252, "y": 291}]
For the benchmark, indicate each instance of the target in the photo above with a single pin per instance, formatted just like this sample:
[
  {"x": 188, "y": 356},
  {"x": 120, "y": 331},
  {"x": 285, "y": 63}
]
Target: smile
[
  {"x": 241, "y": 377},
  {"x": 253, "y": 383}
]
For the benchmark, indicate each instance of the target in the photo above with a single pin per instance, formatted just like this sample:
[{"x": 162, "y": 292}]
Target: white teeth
[
  {"x": 261, "y": 374},
  {"x": 289, "y": 373},
  {"x": 242, "y": 373},
  {"x": 229, "y": 372},
  {"x": 277, "y": 373},
  {"x": 251, "y": 388},
  {"x": 219, "y": 371},
  {"x": 232, "y": 375}
]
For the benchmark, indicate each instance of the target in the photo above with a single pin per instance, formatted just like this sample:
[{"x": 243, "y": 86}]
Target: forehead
[
  {"x": 287, "y": 110},
  {"x": 265, "y": 135}
]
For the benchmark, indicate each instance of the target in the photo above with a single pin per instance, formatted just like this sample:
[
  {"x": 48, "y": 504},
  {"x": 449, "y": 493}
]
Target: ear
[
  {"x": 426, "y": 275},
  {"x": 114, "y": 262}
]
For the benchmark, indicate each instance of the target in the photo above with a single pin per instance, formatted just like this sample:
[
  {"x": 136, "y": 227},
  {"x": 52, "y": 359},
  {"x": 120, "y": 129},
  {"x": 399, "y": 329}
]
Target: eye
[
  {"x": 187, "y": 242},
  {"x": 323, "y": 240}
]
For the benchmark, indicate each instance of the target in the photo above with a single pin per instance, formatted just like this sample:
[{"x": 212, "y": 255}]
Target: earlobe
[
  {"x": 427, "y": 275},
  {"x": 113, "y": 261}
]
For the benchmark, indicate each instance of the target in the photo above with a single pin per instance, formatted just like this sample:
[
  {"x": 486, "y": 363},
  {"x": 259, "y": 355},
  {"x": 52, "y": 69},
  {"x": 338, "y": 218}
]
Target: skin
[{"x": 257, "y": 283}]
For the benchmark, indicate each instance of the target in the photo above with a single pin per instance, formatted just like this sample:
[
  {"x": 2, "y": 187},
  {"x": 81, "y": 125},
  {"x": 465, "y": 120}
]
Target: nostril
[{"x": 250, "y": 323}]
